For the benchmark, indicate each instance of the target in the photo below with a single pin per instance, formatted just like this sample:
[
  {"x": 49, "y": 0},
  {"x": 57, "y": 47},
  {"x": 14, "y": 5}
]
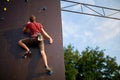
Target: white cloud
[
  {"x": 70, "y": 30},
  {"x": 88, "y": 33},
  {"x": 86, "y": 36},
  {"x": 107, "y": 30}
]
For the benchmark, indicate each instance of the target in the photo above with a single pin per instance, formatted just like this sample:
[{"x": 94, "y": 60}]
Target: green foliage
[
  {"x": 91, "y": 64},
  {"x": 71, "y": 61}
]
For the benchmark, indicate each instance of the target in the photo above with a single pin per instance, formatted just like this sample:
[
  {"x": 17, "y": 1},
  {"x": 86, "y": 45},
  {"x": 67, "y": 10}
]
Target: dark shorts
[{"x": 33, "y": 42}]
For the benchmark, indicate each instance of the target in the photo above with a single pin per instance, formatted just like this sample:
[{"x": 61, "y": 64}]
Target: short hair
[{"x": 32, "y": 18}]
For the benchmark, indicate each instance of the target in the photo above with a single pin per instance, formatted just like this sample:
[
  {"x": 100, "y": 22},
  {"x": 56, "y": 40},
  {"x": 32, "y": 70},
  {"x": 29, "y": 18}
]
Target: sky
[{"x": 82, "y": 31}]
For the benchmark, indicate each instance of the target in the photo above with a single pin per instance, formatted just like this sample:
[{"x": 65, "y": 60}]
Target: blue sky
[{"x": 82, "y": 30}]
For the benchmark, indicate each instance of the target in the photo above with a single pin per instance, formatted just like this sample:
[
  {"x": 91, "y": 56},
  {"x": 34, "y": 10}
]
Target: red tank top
[{"x": 34, "y": 27}]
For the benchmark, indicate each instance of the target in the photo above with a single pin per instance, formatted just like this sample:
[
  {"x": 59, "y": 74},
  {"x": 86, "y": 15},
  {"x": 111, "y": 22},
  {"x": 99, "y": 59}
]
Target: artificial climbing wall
[{"x": 13, "y": 15}]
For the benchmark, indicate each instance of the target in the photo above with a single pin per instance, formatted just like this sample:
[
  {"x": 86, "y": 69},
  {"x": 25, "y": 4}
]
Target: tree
[
  {"x": 71, "y": 61},
  {"x": 91, "y": 64}
]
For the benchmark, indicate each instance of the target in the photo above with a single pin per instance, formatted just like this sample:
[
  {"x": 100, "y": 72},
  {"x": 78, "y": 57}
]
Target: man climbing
[{"x": 37, "y": 36}]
